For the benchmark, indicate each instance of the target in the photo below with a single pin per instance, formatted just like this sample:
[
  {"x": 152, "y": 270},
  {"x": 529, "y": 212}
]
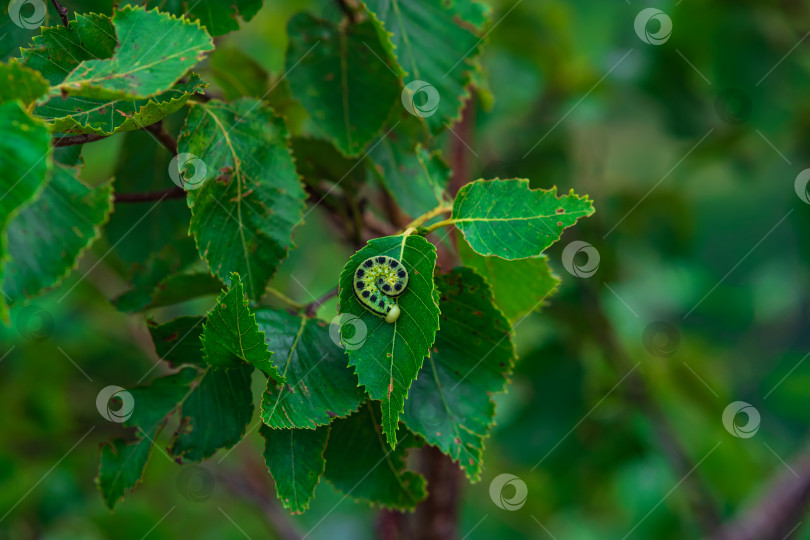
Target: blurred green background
[{"x": 689, "y": 149}]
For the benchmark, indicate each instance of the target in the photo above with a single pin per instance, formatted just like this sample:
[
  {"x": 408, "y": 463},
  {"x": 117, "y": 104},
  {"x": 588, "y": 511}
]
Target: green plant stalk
[
  {"x": 286, "y": 299},
  {"x": 439, "y": 225},
  {"x": 441, "y": 209}
]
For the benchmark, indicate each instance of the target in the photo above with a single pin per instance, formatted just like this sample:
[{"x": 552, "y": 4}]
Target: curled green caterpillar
[{"x": 378, "y": 281}]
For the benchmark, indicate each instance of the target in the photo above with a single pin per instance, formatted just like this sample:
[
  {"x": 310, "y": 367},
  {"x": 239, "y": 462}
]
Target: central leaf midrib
[
  {"x": 237, "y": 172},
  {"x": 287, "y": 366},
  {"x": 528, "y": 218}
]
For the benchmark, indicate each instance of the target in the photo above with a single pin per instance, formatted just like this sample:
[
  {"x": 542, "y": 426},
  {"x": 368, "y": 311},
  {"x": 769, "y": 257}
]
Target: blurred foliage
[{"x": 697, "y": 225}]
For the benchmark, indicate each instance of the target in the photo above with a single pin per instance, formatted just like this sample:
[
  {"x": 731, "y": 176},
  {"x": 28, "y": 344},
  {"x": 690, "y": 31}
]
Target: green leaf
[
  {"x": 472, "y": 12},
  {"x": 178, "y": 341},
  {"x": 121, "y": 464},
  {"x": 519, "y": 287},
  {"x": 25, "y": 149},
  {"x": 57, "y": 50},
  {"x": 154, "y": 51},
  {"x": 450, "y": 403},
  {"x": 431, "y": 47},
  {"x": 295, "y": 459},
  {"x": 506, "y": 218},
  {"x": 215, "y": 414},
  {"x": 154, "y": 402},
  {"x": 120, "y": 468},
  {"x": 416, "y": 178},
  {"x": 342, "y": 75},
  {"x": 19, "y": 82},
  {"x": 68, "y": 215},
  {"x": 319, "y": 386},
  {"x": 231, "y": 335},
  {"x": 106, "y": 117},
  {"x": 360, "y": 464},
  {"x": 243, "y": 221},
  {"x": 390, "y": 357},
  {"x": 217, "y": 16}
]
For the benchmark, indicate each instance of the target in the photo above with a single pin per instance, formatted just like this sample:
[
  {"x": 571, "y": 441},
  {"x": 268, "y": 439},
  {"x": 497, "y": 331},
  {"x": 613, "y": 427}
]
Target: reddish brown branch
[
  {"x": 251, "y": 486},
  {"x": 72, "y": 140},
  {"x": 63, "y": 12},
  {"x": 780, "y": 511},
  {"x": 460, "y": 147},
  {"x": 700, "y": 500},
  {"x": 148, "y": 196},
  {"x": 157, "y": 130},
  {"x": 163, "y": 137},
  {"x": 437, "y": 517},
  {"x": 347, "y": 10},
  {"x": 312, "y": 308}
]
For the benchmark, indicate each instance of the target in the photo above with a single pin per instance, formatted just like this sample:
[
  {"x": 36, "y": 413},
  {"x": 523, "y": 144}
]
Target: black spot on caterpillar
[{"x": 377, "y": 282}]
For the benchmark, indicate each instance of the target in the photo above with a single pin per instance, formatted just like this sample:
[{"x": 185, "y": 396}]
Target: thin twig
[
  {"x": 377, "y": 226},
  {"x": 63, "y": 12},
  {"x": 699, "y": 498},
  {"x": 312, "y": 308},
  {"x": 164, "y": 137},
  {"x": 344, "y": 6},
  {"x": 72, "y": 140},
  {"x": 170, "y": 193},
  {"x": 157, "y": 130},
  {"x": 251, "y": 486},
  {"x": 780, "y": 510}
]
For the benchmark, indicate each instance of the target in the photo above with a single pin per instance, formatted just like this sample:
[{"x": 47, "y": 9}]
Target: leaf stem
[
  {"x": 440, "y": 224},
  {"x": 298, "y": 306},
  {"x": 427, "y": 216}
]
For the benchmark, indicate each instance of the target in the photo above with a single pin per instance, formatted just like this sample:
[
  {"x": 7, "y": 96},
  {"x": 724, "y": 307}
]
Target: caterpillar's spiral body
[{"x": 378, "y": 281}]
